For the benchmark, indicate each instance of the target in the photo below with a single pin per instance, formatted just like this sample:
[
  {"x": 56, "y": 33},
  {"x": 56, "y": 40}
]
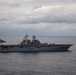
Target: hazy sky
[{"x": 38, "y": 17}]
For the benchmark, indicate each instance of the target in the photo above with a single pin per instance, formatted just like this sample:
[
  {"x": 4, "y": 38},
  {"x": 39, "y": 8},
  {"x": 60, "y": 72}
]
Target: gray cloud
[
  {"x": 33, "y": 3},
  {"x": 51, "y": 14},
  {"x": 59, "y": 13},
  {"x": 38, "y": 16}
]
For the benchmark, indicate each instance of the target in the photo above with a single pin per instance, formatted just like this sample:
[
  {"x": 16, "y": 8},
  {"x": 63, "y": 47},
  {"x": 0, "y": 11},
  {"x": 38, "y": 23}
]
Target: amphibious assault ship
[{"x": 33, "y": 45}]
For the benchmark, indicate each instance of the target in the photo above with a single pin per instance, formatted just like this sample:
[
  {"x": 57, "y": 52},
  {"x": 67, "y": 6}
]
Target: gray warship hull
[{"x": 49, "y": 48}]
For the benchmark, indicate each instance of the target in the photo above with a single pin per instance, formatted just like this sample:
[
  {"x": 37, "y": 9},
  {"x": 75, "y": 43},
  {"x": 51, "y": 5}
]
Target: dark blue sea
[{"x": 43, "y": 63}]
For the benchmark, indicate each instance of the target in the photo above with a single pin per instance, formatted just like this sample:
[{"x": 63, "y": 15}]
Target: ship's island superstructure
[{"x": 33, "y": 45}]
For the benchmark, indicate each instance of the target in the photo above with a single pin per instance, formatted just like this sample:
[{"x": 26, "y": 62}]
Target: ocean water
[{"x": 43, "y": 63}]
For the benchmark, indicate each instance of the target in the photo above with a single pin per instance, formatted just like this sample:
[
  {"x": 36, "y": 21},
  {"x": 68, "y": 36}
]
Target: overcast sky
[{"x": 38, "y": 17}]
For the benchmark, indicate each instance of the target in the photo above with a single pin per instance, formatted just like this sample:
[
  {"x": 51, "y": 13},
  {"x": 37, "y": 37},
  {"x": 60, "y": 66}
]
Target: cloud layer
[{"x": 39, "y": 16}]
